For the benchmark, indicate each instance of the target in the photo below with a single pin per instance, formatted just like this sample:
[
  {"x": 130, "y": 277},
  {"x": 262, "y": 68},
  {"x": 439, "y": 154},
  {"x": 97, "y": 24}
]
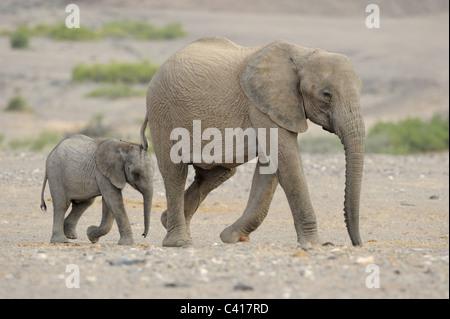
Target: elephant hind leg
[
  {"x": 174, "y": 176},
  {"x": 261, "y": 194},
  {"x": 70, "y": 223},
  {"x": 59, "y": 210},
  {"x": 204, "y": 182}
]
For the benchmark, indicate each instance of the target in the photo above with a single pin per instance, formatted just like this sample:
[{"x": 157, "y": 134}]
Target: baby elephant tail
[{"x": 43, "y": 206}]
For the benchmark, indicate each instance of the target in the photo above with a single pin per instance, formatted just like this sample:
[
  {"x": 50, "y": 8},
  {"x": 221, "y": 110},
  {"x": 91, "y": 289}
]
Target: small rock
[
  {"x": 365, "y": 260},
  {"x": 306, "y": 273},
  {"x": 175, "y": 284},
  {"x": 242, "y": 287},
  {"x": 300, "y": 253},
  {"x": 127, "y": 262},
  {"x": 328, "y": 243}
]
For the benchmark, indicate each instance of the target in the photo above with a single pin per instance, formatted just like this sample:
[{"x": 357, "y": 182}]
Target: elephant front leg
[
  {"x": 94, "y": 232},
  {"x": 261, "y": 194},
  {"x": 292, "y": 179},
  {"x": 113, "y": 198}
]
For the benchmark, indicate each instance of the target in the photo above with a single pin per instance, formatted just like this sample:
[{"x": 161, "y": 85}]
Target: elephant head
[
  {"x": 122, "y": 163},
  {"x": 291, "y": 84}
]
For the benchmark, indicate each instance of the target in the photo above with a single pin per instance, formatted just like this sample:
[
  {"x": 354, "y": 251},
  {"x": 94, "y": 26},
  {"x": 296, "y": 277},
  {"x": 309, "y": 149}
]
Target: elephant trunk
[
  {"x": 148, "y": 196},
  {"x": 353, "y": 139}
]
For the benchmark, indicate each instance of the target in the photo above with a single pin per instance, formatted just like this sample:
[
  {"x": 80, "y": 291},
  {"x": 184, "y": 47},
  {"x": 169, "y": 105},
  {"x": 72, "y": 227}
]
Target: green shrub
[
  {"x": 122, "y": 29},
  {"x": 409, "y": 136},
  {"x": 45, "y": 140},
  {"x": 18, "y": 104},
  {"x": 115, "y": 92},
  {"x": 115, "y": 72},
  {"x": 321, "y": 144},
  {"x": 61, "y": 32},
  {"x": 19, "y": 39},
  {"x": 141, "y": 30}
]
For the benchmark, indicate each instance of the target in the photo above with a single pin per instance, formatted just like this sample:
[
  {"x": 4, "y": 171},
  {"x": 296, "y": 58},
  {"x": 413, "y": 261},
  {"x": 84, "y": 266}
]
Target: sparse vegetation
[
  {"x": 321, "y": 144},
  {"x": 116, "y": 91},
  {"x": 115, "y": 72},
  {"x": 61, "y": 32},
  {"x": 141, "y": 30},
  {"x": 409, "y": 136},
  {"x": 18, "y": 104},
  {"x": 19, "y": 39},
  {"x": 45, "y": 140},
  {"x": 118, "y": 29}
]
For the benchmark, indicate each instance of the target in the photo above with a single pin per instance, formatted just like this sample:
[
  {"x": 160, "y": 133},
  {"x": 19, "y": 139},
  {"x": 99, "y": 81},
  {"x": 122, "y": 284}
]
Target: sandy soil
[{"x": 405, "y": 199}]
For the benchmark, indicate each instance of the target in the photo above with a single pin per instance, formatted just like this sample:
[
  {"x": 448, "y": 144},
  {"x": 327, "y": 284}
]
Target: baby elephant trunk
[{"x": 148, "y": 196}]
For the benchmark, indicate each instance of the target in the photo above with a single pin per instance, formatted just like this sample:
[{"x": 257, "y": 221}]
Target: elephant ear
[
  {"x": 110, "y": 162},
  {"x": 270, "y": 80}
]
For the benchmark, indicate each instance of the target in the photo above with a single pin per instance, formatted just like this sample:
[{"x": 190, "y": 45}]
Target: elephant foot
[
  {"x": 126, "y": 240},
  {"x": 164, "y": 223},
  {"x": 177, "y": 240},
  {"x": 71, "y": 234},
  {"x": 59, "y": 239},
  {"x": 231, "y": 235},
  {"x": 309, "y": 240},
  {"x": 70, "y": 230},
  {"x": 92, "y": 233}
]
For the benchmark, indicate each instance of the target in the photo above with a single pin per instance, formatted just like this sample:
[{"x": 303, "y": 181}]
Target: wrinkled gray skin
[
  {"x": 80, "y": 169},
  {"x": 277, "y": 86}
]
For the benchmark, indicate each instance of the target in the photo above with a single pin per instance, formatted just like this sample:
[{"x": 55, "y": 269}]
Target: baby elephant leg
[
  {"x": 95, "y": 232},
  {"x": 60, "y": 206},
  {"x": 70, "y": 223}
]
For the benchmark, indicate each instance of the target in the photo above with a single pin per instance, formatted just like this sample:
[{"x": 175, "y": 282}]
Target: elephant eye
[
  {"x": 136, "y": 175},
  {"x": 327, "y": 96}
]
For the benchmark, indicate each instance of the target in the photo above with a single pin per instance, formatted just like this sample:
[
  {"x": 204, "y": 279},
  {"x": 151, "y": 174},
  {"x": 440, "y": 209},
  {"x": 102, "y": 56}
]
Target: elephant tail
[
  {"x": 43, "y": 206},
  {"x": 144, "y": 142}
]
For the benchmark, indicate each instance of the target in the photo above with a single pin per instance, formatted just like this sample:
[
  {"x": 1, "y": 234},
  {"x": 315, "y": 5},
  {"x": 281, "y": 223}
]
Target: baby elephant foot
[{"x": 57, "y": 239}]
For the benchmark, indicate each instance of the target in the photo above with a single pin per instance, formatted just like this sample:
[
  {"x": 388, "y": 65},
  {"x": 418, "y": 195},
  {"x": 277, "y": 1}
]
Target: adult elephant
[{"x": 276, "y": 86}]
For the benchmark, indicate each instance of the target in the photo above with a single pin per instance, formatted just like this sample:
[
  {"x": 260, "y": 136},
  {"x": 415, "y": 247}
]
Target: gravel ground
[{"x": 404, "y": 223}]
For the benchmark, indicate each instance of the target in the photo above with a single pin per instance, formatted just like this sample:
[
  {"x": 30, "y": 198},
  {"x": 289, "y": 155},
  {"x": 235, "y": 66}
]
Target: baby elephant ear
[
  {"x": 110, "y": 163},
  {"x": 270, "y": 80}
]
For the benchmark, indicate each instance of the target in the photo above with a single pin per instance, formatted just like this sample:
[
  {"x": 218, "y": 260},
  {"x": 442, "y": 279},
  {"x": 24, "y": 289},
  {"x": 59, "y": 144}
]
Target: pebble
[
  {"x": 365, "y": 260},
  {"x": 242, "y": 287}
]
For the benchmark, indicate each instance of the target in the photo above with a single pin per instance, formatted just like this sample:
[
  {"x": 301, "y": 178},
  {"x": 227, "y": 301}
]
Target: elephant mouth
[{"x": 328, "y": 128}]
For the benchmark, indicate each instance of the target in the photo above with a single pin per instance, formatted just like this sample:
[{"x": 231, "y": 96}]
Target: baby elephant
[{"x": 80, "y": 169}]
